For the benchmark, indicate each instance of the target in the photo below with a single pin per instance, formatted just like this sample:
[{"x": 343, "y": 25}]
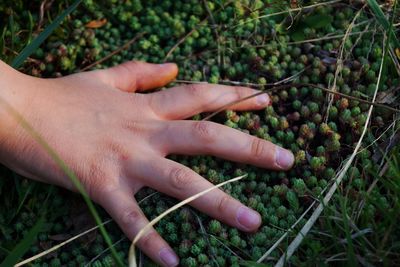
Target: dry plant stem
[
  {"x": 380, "y": 136},
  {"x": 132, "y": 257},
  {"x": 205, "y": 234},
  {"x": 371, "y": 187},
  {"x": 125, "y": 46},
  {"x": 281, "y": 87},
  {"x": 330, "y": 37},
  {"x": 228, "y": 248},
  {"x": 290, "y": 10},
  {"x": 188, "y": 34},
  {"x": 314, "y": 217},
  {"x": 395, "y": 60},
  {"x": 183, "y": 39},
  {"x": 56, "y": 247},
  {"x": 276, "y": 244},
  {"x": 210, "y": 15},
  {"x": 339, "y": 64},
  {"x": 104, "y": 251},
  {"x": 44, "y": 253}
]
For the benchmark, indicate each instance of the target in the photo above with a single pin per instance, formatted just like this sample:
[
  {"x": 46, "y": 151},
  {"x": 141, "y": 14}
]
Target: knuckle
[
  {"x": 257, "y": 148},
  {"x": 134, "y": 64},
  {"x": 205, "y": 131},
  {"x": 153, "y": 102},
  {"x": 240, "y": 92},
  {"x": 96, "y": 175},
  {"x": 129, "y": 216},
  {"x": 130, "y": 66},
  {"x": 180, "y": 178},
  {"x": 223, "y": 203},
  {"x": 128, "y": 69},
  {"x": 93, "y": 180},
  {"x": 148, "y": 239},
  {"x": 131, "y": 125},
  {"x": 194, "y": 90}
]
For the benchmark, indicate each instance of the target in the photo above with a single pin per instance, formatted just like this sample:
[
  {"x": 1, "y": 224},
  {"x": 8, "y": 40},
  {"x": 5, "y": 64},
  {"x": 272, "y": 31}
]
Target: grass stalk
[
  {"x": 314, "y": 217},
  {"x": 69, "y": 172},
  {"x": 132, "y": 257}
]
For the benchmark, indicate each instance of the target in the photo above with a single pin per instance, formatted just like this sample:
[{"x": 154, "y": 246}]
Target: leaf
[
  {"x": 383, "y": 21},
  {"x": 96, "y": 23},
  {"x": 31, "y": 48},
  {"x": 22, "y": 247},
  {"x": 318, "y": 21},
  {"x": 298, "y": 35},
  {"x": 398, "y": 53},
  {"x": 315, "y": 21}
]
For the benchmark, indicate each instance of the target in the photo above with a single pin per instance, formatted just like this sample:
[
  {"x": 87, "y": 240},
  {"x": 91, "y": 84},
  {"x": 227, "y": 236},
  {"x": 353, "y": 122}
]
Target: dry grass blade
[
  {"x": 132, "y": 257},
  {"x": 104, "y": 251},
  {"x": 58, "y": 246},
  {"x": 290, "y": 11},
  {"x": 331, "y": 37},
  {"x": 285, "y": 86},
  {"x": 64, "y": 167},
  {"x": 125, "y": 46},
  {"x": 339, "y": 65},
  {"x": 276, "y": 244},
  {"x": 181, "y": 41},
  {"x": 44, "y": 253},
  {"x": 191, "y": 32},
  {"x": 314, "y": 217}
]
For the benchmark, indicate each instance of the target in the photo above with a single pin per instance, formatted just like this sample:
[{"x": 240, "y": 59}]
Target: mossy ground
[{"x": 232, "y": 42}]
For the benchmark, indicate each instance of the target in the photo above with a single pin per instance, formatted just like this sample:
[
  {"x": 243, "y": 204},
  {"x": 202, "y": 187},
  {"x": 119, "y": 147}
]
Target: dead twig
[
  {"x": 125, "y": 46},
  {"x": 285, "y": 86}
]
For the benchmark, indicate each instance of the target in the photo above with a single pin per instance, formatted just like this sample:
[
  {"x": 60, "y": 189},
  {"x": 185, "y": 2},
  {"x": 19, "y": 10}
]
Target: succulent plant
[{"x": 256, "y": 51}]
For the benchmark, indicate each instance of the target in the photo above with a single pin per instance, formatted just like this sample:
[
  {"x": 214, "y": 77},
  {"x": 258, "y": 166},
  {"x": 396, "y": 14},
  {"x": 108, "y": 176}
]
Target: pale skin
[{"x": 116, "y": 140}]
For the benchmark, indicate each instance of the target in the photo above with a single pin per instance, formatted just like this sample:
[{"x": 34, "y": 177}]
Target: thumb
[{"x": 135, "y": 76}]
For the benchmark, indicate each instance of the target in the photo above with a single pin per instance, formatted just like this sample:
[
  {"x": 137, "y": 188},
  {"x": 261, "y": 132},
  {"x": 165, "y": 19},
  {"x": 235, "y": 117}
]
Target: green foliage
[
  {"x": 229, "y": 41},
  {"x": 23, "y": 246},
  {"x": 31, "y": 48}
]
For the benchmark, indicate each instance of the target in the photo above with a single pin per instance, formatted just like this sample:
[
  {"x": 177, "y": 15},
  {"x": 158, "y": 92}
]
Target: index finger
[{"x": 185, "y": 101}]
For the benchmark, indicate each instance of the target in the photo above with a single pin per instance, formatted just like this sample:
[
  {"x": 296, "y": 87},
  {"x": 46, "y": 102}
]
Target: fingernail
[
  {"x": 248, "y": 218},
  {"x": 263, "y": 100},
  {"x": 166, "y": 65},
  {"x": 169, "y": 257},
  {"x": 284, "y": 158}
]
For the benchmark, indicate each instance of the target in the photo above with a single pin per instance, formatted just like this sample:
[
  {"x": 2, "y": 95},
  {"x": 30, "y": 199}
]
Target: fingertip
[
  {"x": 255, "y": 99},
  {"x": 263, "y": 100},
  {"x": 170, "y": 70},
  {"x": 284, "y": 158},
  {"x": 249, "y": 220},
  {"x": 168, "y": 257}
]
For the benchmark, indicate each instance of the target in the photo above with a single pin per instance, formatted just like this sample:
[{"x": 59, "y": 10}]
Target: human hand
[{"x": 116, "y": 139}]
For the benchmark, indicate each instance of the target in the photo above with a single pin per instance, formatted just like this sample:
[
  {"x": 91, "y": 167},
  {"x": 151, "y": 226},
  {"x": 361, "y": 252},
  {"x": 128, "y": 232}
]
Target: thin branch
[
  {"x": 125, "y": 46},
  {"x": 289, "y": 11},
  {"x": 56, "y": 247},
  {"x": 132, "y": 257},
  {"x": 314, "y": 217},
  {"x": 282, "y": 87}
]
